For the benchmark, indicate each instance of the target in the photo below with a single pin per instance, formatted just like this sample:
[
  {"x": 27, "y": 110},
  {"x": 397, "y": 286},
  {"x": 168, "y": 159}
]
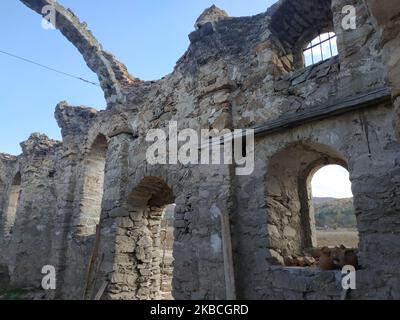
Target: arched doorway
[{"x": 138, "y": 249}]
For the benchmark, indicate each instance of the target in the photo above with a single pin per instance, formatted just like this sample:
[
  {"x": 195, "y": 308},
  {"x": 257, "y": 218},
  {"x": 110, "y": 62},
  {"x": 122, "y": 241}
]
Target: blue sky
[{"x": 149, "y": 36}]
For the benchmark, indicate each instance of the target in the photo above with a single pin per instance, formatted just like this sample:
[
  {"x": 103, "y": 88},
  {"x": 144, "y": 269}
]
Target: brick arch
[
  {"x": 97, "y": 140},
  {"x": 294, "y": 23},
  {"x": 174, "y": 177},
  {"x": 152, "y": 190},
  {"x": 291, "y": 224}
]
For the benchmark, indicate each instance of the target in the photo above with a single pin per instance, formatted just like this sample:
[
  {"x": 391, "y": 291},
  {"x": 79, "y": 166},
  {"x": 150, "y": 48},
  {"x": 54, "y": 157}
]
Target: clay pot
[
  {"x": 350, "y": 258},
  {"x": 325, "y": 259},
  {"x": 337, "y": 255}
]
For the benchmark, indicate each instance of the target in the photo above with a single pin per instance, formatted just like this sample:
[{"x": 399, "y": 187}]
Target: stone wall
[
  {"x": 386, "y": 14},
  {"x": 91, "y": 205},
  {"x": 312, "y": 146}
]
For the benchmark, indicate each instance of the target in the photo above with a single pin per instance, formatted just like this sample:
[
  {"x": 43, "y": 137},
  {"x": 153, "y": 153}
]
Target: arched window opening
[
  {"x": 90, "y": 206},
  {"x": 13, "y": 199},
  {"x": 321, "y": 48},
  {"x": 294, "y": 238},
  {"x": 335, "y": 219},
  {"x": 296, "y": 22}
]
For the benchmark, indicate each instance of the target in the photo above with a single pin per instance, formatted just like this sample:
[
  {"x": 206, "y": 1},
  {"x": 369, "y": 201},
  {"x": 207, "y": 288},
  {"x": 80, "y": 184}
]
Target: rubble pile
[{"x": 325, "y": 258}]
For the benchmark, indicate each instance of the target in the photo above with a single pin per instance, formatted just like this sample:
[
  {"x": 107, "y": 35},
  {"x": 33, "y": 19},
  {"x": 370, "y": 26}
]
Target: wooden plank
[
  {"x": 228, "y": 257},
  {"x": 344, "y": 294},
  {"x": 92, "y": 260},
  {"x": 101, "y": 290},
  {"x": 329, "y": 109}
]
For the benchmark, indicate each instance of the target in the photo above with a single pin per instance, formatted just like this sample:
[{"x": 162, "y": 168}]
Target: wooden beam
[
  {"x": 228, "y": 257},
  {"x": 326, "y": 110},
  {"x": 92, "y": 260},
  {"x": 101, "y": 291}
]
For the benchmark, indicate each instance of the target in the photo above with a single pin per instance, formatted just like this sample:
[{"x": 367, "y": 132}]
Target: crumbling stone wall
[
  {"x": 137, "y": 241},
  {"x": 237, "y": 73},
  {"x": 8, "y": 169},
  {"x": 32, "y": 229},
  {"x": 317, "y": 142},
  {"x": 386, "y": 16}
]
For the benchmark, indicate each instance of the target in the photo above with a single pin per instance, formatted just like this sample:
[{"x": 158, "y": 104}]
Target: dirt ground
[{"x": 349, "y": 238}]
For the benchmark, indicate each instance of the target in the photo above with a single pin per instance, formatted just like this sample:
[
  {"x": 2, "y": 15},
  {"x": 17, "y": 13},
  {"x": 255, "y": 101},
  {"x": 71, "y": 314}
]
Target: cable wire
[{"x": 49, "y": 68}]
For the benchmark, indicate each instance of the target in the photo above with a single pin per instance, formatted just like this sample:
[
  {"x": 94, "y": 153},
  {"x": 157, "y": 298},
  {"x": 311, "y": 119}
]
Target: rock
[
  {"x": 310, "y": 261},
  {"x": 289, "y": 261},
  {"x": 212, "y": 14}
]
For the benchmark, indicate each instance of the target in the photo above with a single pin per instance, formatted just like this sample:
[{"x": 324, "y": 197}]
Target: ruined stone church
[{"x": 91, "y": 205}]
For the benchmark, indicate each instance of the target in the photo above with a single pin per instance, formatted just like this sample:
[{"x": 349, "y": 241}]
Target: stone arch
[
  {"x": 12, "y": 205},
  {"x": 113, "y": 75},
  {"x": 138, "y": 239},
  {"x": 294, "y": 23},
  {"x": 291, "y": 224},
  {"x": 93, "y": 187}
]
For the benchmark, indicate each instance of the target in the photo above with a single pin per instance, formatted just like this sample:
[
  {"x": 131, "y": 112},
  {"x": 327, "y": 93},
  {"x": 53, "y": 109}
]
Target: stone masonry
[{"x": 91, "y": 205}]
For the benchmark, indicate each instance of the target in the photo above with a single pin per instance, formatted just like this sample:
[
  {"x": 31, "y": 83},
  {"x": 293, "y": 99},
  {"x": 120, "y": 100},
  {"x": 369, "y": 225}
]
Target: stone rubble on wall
[{"x": 236, "y": 73}]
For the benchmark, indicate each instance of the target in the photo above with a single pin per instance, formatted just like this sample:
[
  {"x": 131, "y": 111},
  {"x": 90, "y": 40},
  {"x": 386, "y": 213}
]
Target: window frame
[{"x": 310, "y": 46}]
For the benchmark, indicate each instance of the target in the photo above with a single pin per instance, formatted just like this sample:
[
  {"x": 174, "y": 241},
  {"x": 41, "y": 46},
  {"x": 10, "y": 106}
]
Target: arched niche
[
  {"x": 93, "y": 185},
  {"x": 13, "y": 199}
]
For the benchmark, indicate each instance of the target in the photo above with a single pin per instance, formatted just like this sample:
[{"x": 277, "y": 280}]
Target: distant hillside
[
  {"x": 334, "y": 213},
  {"x": 318, "y": 201}
]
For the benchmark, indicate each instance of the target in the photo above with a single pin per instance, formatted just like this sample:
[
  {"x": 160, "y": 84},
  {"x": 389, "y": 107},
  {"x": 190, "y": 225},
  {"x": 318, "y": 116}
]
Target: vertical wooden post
[{"x": 228, "y": 257}]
